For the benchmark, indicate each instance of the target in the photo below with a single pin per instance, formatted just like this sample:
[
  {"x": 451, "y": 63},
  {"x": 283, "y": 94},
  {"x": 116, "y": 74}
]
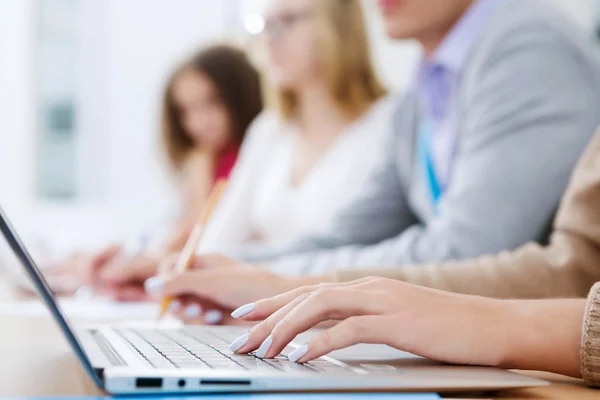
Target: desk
[{"x": 35, "y": 360}]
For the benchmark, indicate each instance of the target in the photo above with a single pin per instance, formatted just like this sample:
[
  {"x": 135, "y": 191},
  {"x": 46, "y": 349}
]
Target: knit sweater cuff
[{"x": 590, "y": 341}]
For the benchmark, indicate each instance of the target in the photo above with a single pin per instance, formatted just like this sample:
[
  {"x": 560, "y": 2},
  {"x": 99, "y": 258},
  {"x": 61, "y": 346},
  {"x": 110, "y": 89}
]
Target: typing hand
[{"x": 442, "y": 326}]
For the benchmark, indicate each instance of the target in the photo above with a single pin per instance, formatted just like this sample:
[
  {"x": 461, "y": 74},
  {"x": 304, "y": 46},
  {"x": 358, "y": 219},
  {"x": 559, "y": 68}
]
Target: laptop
[{"x": 196, "y": 359}]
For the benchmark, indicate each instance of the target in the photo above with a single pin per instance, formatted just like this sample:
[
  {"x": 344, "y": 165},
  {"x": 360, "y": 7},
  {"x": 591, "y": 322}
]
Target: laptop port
[
  {"x": 224, "y": 383},
  {"x": 148, "y": 383}
]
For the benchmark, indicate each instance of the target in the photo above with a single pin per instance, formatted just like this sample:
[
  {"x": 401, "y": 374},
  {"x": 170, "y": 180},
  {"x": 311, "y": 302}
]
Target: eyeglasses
[{"x": 277, "y": 26}]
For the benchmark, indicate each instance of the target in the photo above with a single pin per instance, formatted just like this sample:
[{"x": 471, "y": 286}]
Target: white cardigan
[{"x": 261, "y": 205}]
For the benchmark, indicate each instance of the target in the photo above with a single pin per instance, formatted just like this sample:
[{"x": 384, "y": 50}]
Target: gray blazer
[{"x": 530, "y": 102}]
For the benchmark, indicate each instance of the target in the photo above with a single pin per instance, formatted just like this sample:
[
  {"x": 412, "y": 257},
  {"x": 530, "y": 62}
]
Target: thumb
[{"x": 370, "y": 329}]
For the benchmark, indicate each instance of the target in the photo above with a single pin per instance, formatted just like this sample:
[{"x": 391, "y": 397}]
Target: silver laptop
[{"x": 197, "y": 359}]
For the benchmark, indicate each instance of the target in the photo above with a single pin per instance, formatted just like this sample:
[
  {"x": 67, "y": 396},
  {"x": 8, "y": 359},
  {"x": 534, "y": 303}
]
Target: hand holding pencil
[{"x": 185, "y": 259}]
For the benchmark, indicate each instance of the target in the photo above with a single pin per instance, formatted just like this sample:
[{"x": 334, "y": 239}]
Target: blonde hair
[{"x": 344, "y": 58}]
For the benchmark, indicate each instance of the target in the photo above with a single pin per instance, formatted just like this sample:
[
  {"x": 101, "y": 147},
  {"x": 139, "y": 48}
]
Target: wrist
[
  {"x": 542, "y": 335},
  {"x": 513, "y": 334}
]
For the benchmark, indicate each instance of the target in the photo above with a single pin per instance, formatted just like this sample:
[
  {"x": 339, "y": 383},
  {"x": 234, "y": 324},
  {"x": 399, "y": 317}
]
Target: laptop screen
[{"x": 46, "y": 294}]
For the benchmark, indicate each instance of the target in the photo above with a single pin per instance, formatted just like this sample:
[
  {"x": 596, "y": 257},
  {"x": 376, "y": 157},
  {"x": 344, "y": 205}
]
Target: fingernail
[
  {"x": 297, "y": 354},
  {"x": 175, "y": 306},
  {"x": 239, "y": 342},
  {"x": 192, "y": 311},
  {"x": 154, "y": 285},
  {"x": 213, "y": 317},
  {"x": 243, "y": 310},
  {"x": 264, "y": 347}
]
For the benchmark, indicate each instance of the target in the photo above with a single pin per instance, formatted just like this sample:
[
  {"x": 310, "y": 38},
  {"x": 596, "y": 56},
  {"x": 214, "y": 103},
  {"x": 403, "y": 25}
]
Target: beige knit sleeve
[
  {"x": 590, "y": 340},
  {"x": 566, "y": 268}
]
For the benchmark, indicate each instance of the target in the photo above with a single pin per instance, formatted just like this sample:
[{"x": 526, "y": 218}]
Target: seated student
[
  {"x": 209, "y": 102},
  {"x": 502, "y": 105},
  {"x": 304, "y": 159}
]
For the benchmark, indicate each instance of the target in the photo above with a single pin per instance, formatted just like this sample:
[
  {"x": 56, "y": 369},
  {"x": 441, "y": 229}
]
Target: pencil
[{"x": 185, "y": 259}]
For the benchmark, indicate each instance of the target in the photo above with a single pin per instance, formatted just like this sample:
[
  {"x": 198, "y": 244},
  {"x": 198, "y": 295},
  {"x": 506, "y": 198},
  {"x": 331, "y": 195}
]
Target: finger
[
  {"x": 190, "y": 312},
  {"x": 264, "y": 308},
  {"x": 193, "y": 310},
  {"x": 253, "y": 339},
  {"x": 324, "y": 305},
  {"x": 354, "y": 330},
  {"x": 196, "y": 313},
  {"x": 214, "y": 317}
]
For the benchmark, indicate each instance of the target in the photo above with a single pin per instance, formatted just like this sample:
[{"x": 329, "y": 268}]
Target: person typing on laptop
[{"x": 561, "y": 336}]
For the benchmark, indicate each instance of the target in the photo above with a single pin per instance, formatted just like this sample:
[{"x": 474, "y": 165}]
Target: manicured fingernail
[
  {"x": 239, "y": 342},
  {"x": 175, "y": 306},
  {"x": 264, "y": 347},
  {"x": 243, "y": 310},
  {"x": 192, "y": 311},
  {"x": 213, "y": 317},
  {"x": 297, "y": 354},
  {"x": 154, "y": 285}
]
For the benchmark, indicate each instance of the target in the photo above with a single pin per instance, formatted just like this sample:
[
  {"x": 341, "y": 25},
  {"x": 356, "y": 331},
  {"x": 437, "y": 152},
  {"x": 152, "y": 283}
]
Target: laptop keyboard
[{"x": 202, "y": 349}]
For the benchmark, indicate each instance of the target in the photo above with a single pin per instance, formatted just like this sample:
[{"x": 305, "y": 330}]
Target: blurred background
[{"x": 80, "y": 91}]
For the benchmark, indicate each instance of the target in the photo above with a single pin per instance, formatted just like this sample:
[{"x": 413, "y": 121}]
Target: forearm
[
  {"x": 564, "y": 269},
  {"x": 542, "y": 335}
]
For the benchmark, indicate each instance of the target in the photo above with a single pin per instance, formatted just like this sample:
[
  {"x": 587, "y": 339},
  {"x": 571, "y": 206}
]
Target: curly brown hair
[{"x": 238, "y": 86}]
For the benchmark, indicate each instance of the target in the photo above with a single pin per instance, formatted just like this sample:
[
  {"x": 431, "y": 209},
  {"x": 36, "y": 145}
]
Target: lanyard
[{"x": 425, "y": 160}]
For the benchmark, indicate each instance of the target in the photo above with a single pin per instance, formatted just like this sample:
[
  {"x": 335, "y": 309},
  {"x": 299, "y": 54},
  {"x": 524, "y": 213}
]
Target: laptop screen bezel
[{"x": 46, "y": 294}]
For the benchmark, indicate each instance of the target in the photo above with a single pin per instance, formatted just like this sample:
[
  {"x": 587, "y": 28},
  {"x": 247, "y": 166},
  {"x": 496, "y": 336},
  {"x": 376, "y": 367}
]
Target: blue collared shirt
[{"x": 437, "y": 85}]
